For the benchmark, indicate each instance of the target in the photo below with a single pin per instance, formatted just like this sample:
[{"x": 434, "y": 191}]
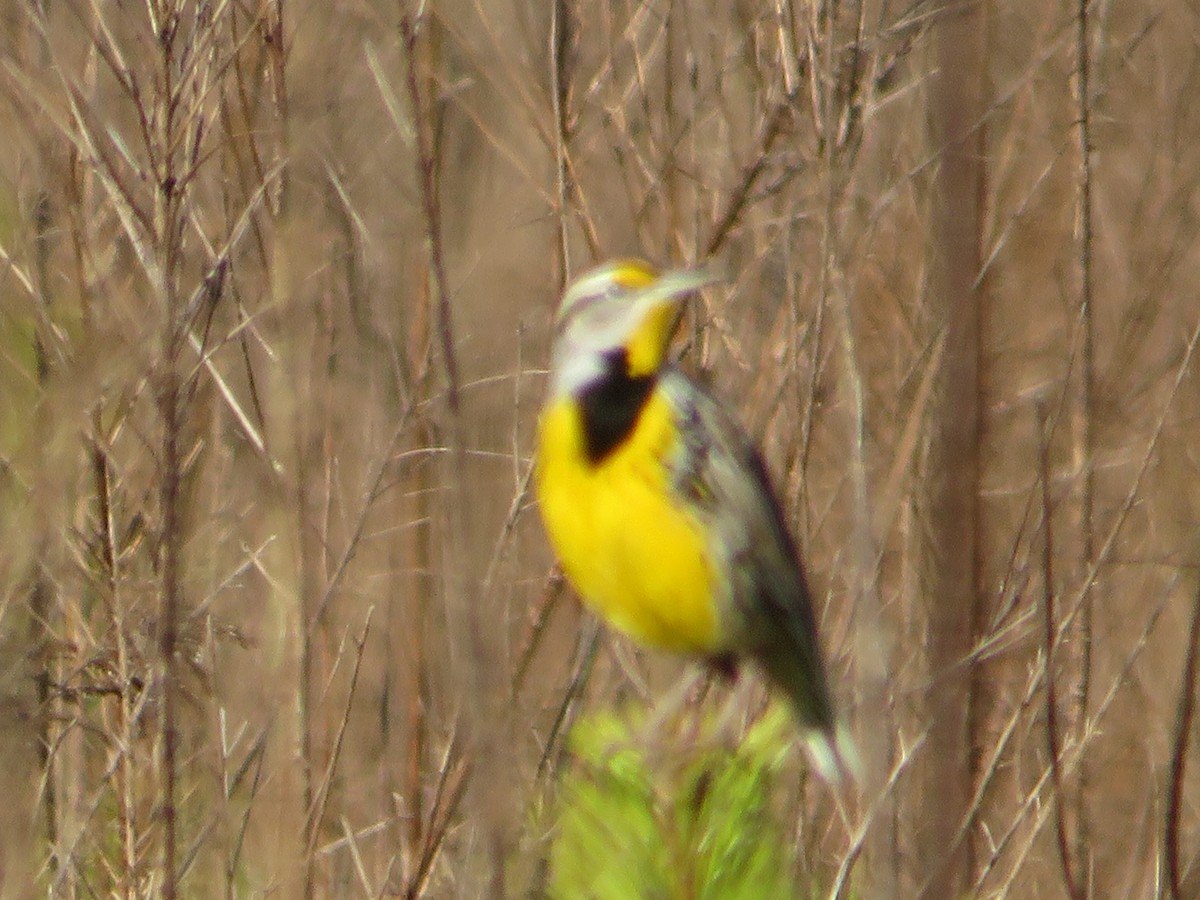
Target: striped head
[{"x": 623, "y": 308}]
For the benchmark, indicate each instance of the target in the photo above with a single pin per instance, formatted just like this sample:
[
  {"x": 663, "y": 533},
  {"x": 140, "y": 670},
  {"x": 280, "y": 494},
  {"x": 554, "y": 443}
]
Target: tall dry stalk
[
  {"x": 232, "y": 240},
  {"x": 167, "y": 146},
  {"x": 1173, "y": 816},
  {"x": 955, "y": 608},
  {"x": 1085, "y": 441}
]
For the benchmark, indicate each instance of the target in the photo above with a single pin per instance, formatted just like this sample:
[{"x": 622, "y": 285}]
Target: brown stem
[
  {"x": 1048, "y": 643},
  {"x": 1183, "y": 729},
  {"x": 958, "y": 211},
  {"x": 165, "y": 153},
  {"x": 1085, "y": 439},
  {"x": 424, "y": 115},
  {"x": 738, "y": 199}
]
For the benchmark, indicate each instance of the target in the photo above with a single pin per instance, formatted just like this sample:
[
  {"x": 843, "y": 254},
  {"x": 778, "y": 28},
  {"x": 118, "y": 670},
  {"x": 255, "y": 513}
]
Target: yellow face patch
[
  {"x": 646, "y": 349},
  {"x": 636, "y": 555},
  {"x": 633, "y": 274}
]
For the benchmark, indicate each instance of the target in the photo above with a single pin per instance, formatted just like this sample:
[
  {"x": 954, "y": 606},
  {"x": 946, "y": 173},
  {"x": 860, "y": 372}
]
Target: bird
[{"x": 659, "y": 506}]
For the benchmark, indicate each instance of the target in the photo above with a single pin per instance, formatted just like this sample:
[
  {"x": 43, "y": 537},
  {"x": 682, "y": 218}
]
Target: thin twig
[
  {"x": 561, "y": 34},
  {"x": 1184, "y": 713},
  {"x": 552, "y": 591},
  {"x": 448, "y": 790},
  {"x": 1085, "y": 443},
  {"x": 428, "y": 169},
  {"x": 1049, "y": 675},
  {"x": 316, "y": 815},
  {"x": 585, "y": 656},
  {"x": 739, "y": 197}
]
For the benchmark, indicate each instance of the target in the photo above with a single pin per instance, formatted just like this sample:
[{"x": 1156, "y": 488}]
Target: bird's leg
[{"x": 725, "y": 667}]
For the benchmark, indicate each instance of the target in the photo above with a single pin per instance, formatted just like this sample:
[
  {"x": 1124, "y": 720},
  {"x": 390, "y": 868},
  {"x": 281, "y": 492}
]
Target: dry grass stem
[{"x": 276, "y": 294}]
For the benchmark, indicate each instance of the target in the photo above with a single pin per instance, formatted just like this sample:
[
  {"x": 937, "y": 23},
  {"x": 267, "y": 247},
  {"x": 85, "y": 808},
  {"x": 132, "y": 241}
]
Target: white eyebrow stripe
[{"x": 571, "y": 310}]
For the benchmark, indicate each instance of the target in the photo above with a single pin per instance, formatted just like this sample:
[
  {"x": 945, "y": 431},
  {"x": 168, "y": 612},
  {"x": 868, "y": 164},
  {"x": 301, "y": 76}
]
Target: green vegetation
[{"x": 697, "y": 823}]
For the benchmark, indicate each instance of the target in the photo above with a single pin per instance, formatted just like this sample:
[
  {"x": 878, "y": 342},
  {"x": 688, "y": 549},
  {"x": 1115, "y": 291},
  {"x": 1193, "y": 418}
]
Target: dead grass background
[{"x": 276, "y": 615}]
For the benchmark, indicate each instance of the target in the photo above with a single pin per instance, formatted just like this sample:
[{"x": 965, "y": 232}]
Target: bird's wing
[{"x": 721, "y": 476}]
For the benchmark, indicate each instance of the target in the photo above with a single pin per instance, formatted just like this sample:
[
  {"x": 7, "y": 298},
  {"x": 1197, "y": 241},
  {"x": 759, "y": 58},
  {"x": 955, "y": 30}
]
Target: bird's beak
[
  {"x": 673, "y": 287},
  {"x": 654, "y": 317},
  {"x": 678, "y": 283}
]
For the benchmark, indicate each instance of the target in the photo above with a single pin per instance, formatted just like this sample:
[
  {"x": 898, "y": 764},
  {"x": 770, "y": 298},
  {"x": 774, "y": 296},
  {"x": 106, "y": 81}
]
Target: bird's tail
[
  {"x": 795, "y": 666},
  {"x": 833, "y": 754}
]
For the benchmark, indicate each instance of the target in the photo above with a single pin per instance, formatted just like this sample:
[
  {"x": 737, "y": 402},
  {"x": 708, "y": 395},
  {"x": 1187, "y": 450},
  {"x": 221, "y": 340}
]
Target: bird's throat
[{"x": 610, "y": 407}]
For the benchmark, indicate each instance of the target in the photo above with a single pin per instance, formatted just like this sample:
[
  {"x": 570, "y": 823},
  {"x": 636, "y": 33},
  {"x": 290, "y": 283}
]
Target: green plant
[{"x": 687, "y": 820}]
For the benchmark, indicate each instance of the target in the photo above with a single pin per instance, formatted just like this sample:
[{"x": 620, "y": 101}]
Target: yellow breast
[{"x": 634, "y": 554}]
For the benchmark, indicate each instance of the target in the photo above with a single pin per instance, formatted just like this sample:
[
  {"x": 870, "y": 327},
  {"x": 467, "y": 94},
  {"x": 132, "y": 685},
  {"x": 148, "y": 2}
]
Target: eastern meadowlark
[{"x": 659, "y": 506}]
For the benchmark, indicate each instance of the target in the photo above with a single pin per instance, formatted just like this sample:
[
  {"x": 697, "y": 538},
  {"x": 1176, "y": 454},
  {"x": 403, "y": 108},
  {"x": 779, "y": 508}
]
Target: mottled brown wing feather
[{"x": 720, "y": 474}]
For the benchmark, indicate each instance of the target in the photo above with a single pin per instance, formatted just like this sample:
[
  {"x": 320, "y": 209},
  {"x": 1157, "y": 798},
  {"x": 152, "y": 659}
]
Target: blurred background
[{"x": 277, "y": 616}]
